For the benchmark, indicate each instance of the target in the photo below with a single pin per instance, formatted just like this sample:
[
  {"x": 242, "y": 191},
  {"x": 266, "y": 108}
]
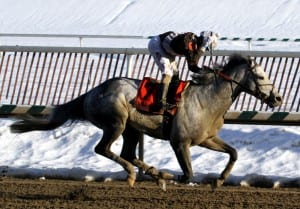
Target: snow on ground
[
  {"x": 67, "y": 152},
  {"x": 270, "y": 152}
]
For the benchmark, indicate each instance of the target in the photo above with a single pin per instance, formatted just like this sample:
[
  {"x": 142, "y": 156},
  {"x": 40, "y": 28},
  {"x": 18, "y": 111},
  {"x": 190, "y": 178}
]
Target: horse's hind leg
[
  {"x": 217, "y": 144},
  {"x": 103, "y": 148},
  {"x": 131, "y": 137}
]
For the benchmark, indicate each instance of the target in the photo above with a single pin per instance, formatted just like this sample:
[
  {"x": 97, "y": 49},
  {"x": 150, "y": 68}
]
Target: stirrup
[{"x": 167, "y": 106}]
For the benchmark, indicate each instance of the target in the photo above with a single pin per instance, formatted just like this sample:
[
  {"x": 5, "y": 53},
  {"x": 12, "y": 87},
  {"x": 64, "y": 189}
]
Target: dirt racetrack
[{"x": 27, "y": 193}]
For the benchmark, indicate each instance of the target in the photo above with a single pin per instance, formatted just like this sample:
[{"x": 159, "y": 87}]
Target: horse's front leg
[
  {"x": 216, "y": 144},
  {"x": 182, "y": 151}
]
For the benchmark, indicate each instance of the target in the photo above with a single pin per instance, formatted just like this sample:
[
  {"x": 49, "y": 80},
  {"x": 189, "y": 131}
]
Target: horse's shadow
[{"x": 80, "y": 174}]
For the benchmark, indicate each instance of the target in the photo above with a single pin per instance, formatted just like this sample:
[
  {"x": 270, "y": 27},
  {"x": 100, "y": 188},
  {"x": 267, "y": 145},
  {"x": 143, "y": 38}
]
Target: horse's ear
[{"x": 251, "y": 62}]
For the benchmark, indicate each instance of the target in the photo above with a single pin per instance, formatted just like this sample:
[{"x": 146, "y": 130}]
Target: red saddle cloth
[{"x": 147, "y": 95}]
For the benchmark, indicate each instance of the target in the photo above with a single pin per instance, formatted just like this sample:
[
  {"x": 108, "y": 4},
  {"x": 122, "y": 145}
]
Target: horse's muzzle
[{"x": 274, "y": 99}]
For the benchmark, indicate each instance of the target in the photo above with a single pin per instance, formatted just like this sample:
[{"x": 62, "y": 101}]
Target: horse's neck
[
  {"x": 221, "y": 92},
  {"x": 213, "y": 96}
]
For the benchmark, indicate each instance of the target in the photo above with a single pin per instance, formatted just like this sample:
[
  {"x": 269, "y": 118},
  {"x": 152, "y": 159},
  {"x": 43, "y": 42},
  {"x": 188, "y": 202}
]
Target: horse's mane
[
  {"x": 235, "y": 60},
  {"x": 203, "y": 77},
  {"x": 207, "y": 74}
]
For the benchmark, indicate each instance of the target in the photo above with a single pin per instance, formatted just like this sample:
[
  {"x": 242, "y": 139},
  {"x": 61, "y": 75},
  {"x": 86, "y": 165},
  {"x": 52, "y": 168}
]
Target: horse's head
[
  {"x": 259, "y": 85},
  {"x": 251, "y": 78}
]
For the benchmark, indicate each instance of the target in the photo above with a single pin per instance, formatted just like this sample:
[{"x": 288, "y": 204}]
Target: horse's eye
[{"x": 260, "y": 77}]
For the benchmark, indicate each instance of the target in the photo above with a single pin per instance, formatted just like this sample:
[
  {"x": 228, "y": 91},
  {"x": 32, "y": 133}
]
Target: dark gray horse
[{"x": 197, "y": 121}]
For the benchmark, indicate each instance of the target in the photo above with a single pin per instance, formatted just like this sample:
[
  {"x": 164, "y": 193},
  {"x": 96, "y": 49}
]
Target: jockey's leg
[
  {"x": 163, "y": 91},
  {"x": 175, "y": 77},
  {"x": 175, "y": 72}
]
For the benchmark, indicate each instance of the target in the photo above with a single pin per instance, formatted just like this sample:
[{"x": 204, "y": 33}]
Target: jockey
[{"x": 165, "y": 47}]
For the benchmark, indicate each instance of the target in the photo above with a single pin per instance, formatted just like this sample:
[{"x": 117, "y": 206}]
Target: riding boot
[
  {"x": 175, "y": 78},
  {"x": 163, "y": 91}
]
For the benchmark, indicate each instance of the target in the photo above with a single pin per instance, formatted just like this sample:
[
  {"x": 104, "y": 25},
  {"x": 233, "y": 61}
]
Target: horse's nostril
[{"x": 278, "y": 99}]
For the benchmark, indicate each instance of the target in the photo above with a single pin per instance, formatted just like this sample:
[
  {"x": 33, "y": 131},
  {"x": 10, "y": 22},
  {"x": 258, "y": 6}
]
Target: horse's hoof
[
  {"x": 131, "y": 181},
  {"x": 184, "y": 179},
  {"x": 162, "y": 184},
  {"x": 166, "y": 175},
  {"x": 216, "y": 183},
  {"x": 151, "y": 172}
]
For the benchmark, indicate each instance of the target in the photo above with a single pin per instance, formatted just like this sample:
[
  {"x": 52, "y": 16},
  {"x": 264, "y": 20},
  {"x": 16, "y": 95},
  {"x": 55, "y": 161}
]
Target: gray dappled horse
[{"x": 197, "y": 122}]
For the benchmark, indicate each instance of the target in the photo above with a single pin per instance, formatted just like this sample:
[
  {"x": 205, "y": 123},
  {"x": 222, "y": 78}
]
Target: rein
[
  {"x": 229, "y": 79},
  {"x": 222, "y": 75}
]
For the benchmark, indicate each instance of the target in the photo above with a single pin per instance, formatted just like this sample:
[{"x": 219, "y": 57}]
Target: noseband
[{"x": 257, "y": 91}]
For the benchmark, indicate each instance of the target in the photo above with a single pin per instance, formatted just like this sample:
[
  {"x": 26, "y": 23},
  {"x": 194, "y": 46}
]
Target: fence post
[
  {"x": 129, "y": 65},
  {"x": 249, "y": 45},
  {"x": 80, "y": 41}
]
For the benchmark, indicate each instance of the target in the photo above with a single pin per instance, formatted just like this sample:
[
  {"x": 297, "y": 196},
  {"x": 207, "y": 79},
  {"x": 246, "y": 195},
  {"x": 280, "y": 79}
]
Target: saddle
[
  {"x": 147, "y": 100},
  {"x": 147, "y": 96}
]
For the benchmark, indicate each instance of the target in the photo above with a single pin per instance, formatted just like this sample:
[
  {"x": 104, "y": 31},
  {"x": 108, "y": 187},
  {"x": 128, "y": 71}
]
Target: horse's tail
[{"x": 72, "y": 110}]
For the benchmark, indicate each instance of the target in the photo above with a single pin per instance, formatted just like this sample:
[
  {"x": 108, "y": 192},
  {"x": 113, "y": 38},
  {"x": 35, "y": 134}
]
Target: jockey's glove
[{"x": 210, "y": 40}]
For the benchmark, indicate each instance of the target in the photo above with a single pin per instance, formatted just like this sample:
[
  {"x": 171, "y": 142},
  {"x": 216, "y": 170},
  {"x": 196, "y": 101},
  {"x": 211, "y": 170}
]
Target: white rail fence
[{"x": 34, "y": 78}]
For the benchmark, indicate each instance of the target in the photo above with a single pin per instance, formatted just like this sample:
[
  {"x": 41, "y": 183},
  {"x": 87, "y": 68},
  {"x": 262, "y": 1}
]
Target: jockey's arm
[
  {"x": 193, "y": 59},
  {"x": 194, "y": 68}
]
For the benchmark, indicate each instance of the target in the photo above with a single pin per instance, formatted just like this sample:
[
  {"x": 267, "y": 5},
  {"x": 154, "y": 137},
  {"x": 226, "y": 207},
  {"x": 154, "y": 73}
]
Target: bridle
[{"x": 255, "y": 92}]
